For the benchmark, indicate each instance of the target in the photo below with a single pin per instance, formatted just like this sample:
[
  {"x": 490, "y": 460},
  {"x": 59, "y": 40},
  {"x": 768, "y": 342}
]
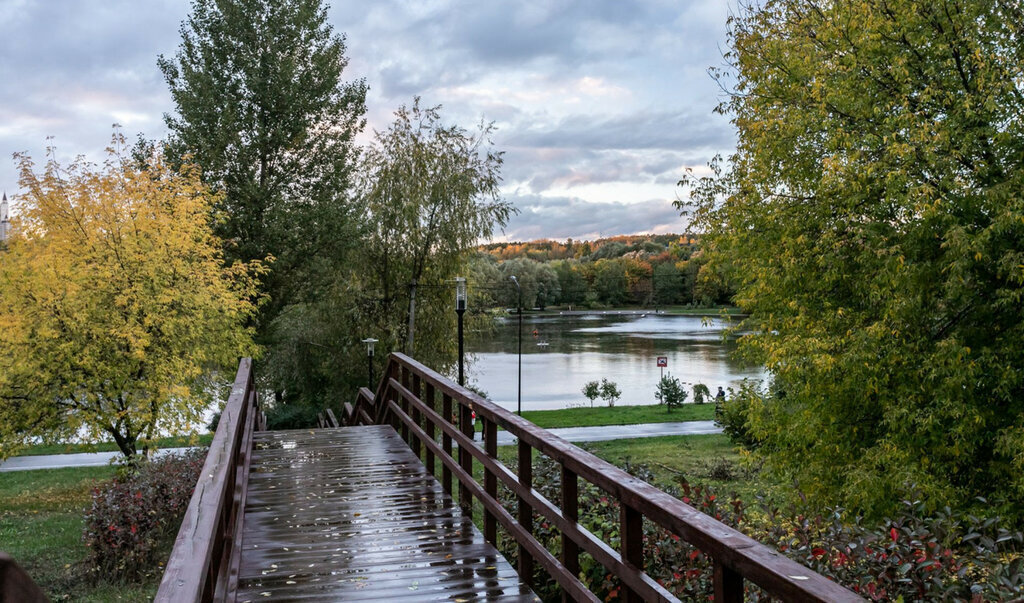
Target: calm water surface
[{"x": 623, "y": 349}]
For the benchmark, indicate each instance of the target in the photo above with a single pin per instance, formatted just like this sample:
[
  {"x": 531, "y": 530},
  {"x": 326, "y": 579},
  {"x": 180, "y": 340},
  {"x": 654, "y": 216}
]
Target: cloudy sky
[{"x": 600, "y": 104}]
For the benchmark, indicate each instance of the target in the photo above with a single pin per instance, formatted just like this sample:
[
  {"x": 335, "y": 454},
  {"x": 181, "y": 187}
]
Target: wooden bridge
[{"x": 382, "y": 508}]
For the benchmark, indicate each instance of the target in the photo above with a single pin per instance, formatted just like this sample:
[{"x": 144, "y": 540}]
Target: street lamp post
[
  {"x": 460, "y": 309},
  {"x": 519, "y": 306},
  {"x": 369, "y": 358}
]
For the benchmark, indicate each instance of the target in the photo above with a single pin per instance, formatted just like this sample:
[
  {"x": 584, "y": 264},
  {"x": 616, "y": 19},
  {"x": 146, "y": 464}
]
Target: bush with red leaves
[{"x": 132, "y": 514}]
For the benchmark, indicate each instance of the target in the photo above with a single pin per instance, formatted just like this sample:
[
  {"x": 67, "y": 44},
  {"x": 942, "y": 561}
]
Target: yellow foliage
[{"x": 115, "y": 305}]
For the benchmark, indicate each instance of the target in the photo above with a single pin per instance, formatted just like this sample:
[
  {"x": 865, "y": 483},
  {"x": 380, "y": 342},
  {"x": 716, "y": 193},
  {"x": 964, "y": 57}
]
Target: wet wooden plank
[{"x": 352, "y": 514}]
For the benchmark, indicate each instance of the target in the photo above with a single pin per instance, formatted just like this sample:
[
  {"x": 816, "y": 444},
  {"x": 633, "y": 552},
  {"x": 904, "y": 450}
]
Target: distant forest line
[{"x": 629, "y": 270}]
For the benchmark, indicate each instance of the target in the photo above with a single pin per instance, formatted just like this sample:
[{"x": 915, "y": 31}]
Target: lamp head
[
  {"x": 369, "y": 345},
  {"x": 460, "y": 294}
]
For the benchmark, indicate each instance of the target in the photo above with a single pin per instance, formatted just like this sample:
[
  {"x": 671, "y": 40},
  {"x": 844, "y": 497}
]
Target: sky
[{"x": 600, "y": 105}]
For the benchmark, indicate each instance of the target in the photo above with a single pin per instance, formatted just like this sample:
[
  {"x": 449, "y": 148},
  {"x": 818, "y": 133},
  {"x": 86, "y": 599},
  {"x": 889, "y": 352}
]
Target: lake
[{"x": 621, "y": 348}]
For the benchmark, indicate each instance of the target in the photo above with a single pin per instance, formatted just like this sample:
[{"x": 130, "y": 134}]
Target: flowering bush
[
  {"x": 132, "y": 513},
  {"x": 914, "y": 556}
]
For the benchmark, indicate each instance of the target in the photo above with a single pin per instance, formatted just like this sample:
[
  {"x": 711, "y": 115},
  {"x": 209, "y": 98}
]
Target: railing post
[
  {"x": 525, "y": 512},
  {"x": 631, "y": 535},
  {"x": 570, "y": 509},
  {"x": 465, "y": 458},
  {"x": 446, "y": 443},
  {"x": 728, "y": 585},
  {"x": 431, "y": 430},
  {"x": 490, "y": 480}
]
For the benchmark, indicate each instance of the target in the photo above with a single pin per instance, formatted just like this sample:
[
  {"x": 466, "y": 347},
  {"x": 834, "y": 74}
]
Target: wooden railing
[
  {"x": 204, "y": 562},
  {"x": 408, "y": 397},
  {"x": 15, "y": 584}
]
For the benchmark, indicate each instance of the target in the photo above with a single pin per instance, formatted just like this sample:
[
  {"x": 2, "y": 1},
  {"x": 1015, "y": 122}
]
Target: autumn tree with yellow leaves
[{"x": 116, "y": 308}]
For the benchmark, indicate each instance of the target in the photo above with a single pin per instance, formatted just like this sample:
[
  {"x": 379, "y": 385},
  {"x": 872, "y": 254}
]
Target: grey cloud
[
  {"x": 562, "y": 217},
  {"x": 648, "y": 130}
]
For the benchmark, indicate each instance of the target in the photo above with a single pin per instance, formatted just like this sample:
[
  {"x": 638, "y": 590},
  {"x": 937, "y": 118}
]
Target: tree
[
  {"x": 538, "y": 281},
  {"x": 261, "y": 108},
  {"x": 670, "y": 392},
  {"x": 872, "y": 221},
  {"x": 115, "y": 305},
  {"x": 428, "y": 193},
  {"x": 668, "y": 284},
  {"x": 610, "y": 282},
  {"x": 592, "y": 391},
  {"x": 610, "y": 392}
]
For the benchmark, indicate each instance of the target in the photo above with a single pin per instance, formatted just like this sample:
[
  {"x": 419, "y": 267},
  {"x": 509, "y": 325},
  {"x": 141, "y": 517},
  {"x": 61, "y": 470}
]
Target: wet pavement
[
  {"x": 57, "y": 461},
  {"x": 621, "y": 432},
  {"x": 351, "y": 513}
]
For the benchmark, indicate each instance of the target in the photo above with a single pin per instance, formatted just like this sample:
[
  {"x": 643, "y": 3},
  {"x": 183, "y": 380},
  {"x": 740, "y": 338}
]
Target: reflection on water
[{"x": 623, "y": 349}]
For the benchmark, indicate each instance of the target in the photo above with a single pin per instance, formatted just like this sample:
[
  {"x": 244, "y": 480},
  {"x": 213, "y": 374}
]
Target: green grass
[
  {"x": 170, "y": 442},
  {"x": 709, "y": 459},
  {"x": 618, "y": 415},
  {"x": 41, "y": 522}
]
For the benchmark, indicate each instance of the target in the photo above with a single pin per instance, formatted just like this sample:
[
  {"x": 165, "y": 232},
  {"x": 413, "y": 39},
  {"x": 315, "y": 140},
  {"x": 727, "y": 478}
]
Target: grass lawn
[
  {"x": 618, "y": 415},
  {"x": 710, "y": 460},
  {"x": 41, "y": 521},
  {"x": 172, "y": 442}
]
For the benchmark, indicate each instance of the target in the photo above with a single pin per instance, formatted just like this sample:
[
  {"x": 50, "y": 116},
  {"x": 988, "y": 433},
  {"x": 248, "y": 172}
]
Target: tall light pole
[
  {"x": 369, "y": 358},
  {"x": 460, "y": 309},
  {"x": 519, "y": 306}
]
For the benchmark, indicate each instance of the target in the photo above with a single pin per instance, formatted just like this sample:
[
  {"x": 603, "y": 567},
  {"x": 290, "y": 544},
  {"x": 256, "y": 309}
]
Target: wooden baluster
[
  {"x": 728, "y": 584},
  {"x": 405, "y": 406},
  {"x": 525, "y": 512},
  {"x": 446, "y": 443},
  {"x": 431, "y": 431},
  {"x": 417, "y": 418},
  {"x": 631, "y": 532},
  {"x": 465, "y": 458},
  {"x": 570, "y": 508},
  {"x": 490, "y": 434}
]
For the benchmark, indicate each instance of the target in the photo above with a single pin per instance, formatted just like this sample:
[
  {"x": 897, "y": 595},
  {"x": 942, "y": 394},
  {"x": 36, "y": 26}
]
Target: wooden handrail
[
  {"x": 203, "y": 563},
  {"x": 16, "y": 585},
  {"x": 401, "y": 402}
]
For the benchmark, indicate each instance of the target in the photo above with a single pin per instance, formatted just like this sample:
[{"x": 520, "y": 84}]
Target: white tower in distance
[{"x": 5, "y": 222}]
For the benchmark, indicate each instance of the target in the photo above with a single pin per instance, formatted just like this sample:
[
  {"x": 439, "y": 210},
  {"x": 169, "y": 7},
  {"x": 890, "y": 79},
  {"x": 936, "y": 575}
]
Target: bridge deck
[{"x": 351, "y": 513}]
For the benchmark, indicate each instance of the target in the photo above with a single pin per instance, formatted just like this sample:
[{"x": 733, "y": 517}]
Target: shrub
[
  {"x": 670, "y": 392},
  {"x": 132, "y": 514},
  {"x": 732, "y": 415},
  {"x": 592, "y": 390},
  {"x": 700, "y": 393},
  {"x": 610, "y": 392}
]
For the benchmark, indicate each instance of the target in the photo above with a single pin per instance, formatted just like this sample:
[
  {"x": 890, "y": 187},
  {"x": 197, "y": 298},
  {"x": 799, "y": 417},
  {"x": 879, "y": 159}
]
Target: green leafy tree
[
  {"x": 610, "y": 282},
  {"x": 668, "y": 284},
  {"x": 872, "y": 220},
  {"x": 115, "y": 305},
  {"x": 571, "y": 283},
  {"x": 429, "y": 192},
  {"x": 592, "y": 391},
  {"x": 610, "y": 392},
  {"x": 261, "y": 107},
  {"x": 670, "y": 392},
  {"x": 539, "y": 282}
]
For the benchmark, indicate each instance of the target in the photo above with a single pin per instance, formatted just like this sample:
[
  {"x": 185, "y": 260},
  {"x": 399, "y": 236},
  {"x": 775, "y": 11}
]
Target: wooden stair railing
[
  {"x": 203, "y": 565},
  {"x": 407, "y": 398}
]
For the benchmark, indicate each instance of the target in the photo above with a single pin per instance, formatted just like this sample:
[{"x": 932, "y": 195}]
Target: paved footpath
[
  {"x": 621, "y": 432},
  {"x": 57, "y": 461},
  {"x": 572, "y": 434}
]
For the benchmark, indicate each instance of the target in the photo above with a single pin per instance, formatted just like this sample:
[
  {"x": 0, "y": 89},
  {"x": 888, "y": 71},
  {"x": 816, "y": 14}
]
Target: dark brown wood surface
[
  {"x": 351, "y": 513},
  {"x": 15, "y": 585}
]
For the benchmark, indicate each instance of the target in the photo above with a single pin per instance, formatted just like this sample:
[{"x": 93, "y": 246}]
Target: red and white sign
[{"x": 662, "y": 361}]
